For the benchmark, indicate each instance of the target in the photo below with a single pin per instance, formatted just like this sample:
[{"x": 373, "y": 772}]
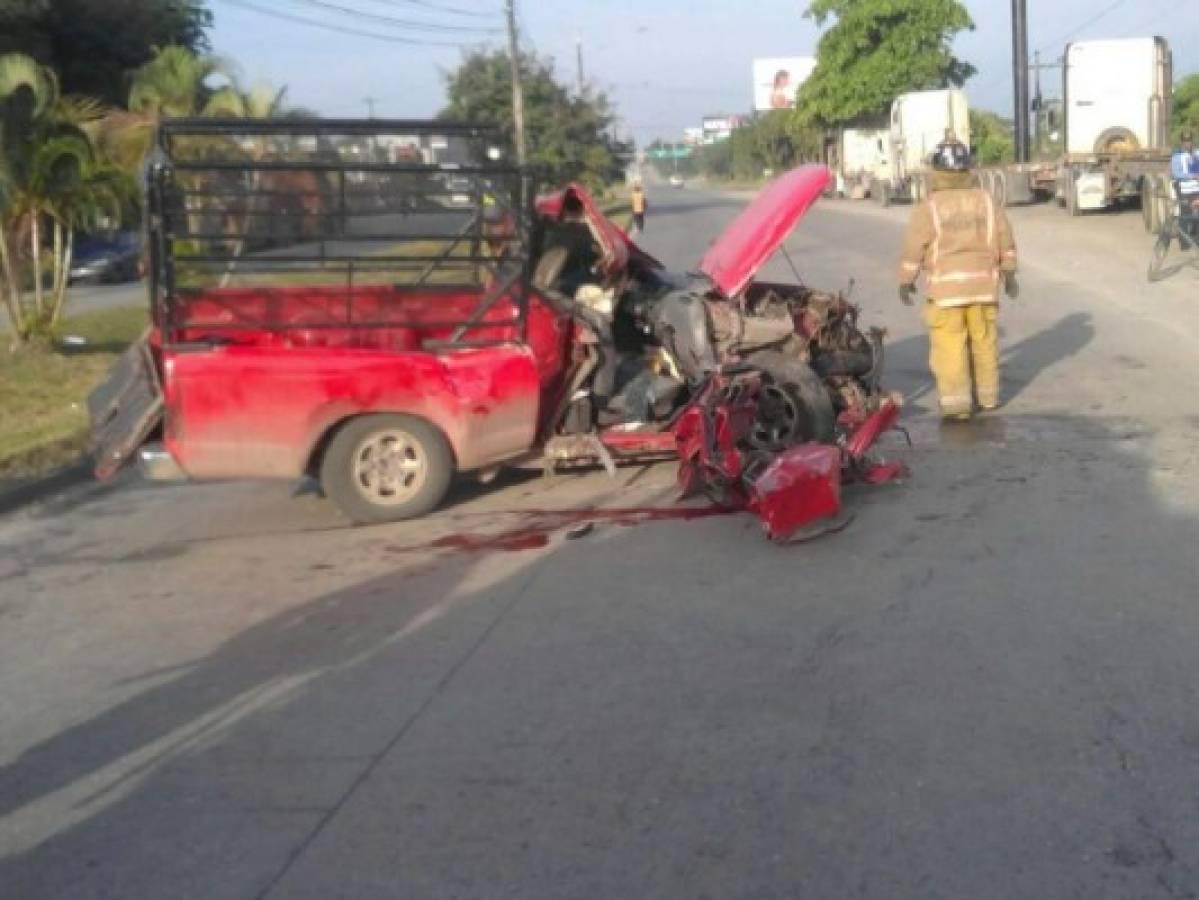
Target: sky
[{"x": 665, "y": 63}]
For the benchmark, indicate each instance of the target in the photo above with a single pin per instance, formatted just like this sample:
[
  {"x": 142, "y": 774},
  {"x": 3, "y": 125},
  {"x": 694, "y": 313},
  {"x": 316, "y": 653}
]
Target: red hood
[
  {"x": 617, "y": 248},
  {"x": 735, "y": 257}
]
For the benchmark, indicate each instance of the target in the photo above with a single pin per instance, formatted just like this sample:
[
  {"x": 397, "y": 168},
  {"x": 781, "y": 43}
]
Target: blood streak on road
[{"x": 538, "y": 524}]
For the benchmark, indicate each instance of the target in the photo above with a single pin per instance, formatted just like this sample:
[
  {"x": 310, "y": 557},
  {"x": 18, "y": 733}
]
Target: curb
[{"x": 34, "y": 489}]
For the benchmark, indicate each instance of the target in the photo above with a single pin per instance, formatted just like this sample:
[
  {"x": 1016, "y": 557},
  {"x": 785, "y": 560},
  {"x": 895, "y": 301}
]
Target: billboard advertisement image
[{"x": 777, "y": 79}]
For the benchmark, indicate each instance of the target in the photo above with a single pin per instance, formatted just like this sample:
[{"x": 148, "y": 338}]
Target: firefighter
[{"x": 963, "y": 244}]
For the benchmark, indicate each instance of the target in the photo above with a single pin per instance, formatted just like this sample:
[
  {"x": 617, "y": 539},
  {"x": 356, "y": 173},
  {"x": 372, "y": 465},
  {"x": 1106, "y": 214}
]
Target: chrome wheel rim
[{"x": 389, "y": 467}]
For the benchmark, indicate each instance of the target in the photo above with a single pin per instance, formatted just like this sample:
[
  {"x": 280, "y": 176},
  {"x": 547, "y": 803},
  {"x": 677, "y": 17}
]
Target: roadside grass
[
  {"x": 739, "y": 184},
  {"x": 620, "y": 212},
  {"x": 43, "y": 391}
]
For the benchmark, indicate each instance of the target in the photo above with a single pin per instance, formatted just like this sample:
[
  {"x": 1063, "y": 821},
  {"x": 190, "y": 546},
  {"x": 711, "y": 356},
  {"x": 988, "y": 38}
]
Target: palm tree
[
  {"x": 29, "y": 95},
  {"x": 80, "y": 191},
  {"x": 262, "y": 101},
  {"x": 175, "y": 83},
  {"x": 49, "y": 172}
]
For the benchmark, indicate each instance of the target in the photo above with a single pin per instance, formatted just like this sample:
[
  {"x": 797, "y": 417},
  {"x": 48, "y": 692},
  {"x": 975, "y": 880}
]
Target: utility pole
[
  {"x": 579, "y": 63},
  {"x": 1020, "y": 73},
  {"x": 518, "y": 94},
  {"x": 370, "y": 106},
  {"x": 1038, "y": 102}
]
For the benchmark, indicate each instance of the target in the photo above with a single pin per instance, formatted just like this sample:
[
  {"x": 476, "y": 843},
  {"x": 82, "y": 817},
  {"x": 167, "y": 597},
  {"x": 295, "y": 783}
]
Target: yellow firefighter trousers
[{"x": 959, "y": 336}]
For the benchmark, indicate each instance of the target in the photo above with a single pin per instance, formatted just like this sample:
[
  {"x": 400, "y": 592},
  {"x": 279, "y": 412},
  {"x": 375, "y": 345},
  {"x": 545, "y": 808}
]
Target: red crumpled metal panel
[
  {"x": 876, "y": 424},
  {"x": 800, "y": 486},
  {"x": 788, "y": 490}
]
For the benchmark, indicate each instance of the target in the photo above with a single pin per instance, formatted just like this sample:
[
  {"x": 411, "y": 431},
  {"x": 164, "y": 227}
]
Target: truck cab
[{"x": 919, "y": 121}]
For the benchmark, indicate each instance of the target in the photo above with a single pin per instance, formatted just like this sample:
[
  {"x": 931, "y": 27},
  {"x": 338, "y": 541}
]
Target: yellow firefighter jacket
[{"x": 960, "y": 240}]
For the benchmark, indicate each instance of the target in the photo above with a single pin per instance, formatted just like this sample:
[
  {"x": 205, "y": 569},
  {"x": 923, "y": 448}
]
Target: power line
[
  {"x": 393, "y": 22},
  {"x": 301, "y": 20},
  {"x": 1103, "y": 13},
  {"x": 439, "y": 7}
]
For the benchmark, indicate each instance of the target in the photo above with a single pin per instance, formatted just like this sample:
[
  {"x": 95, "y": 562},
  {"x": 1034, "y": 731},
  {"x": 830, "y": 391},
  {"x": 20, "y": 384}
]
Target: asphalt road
[{"x": 985, "y": 687}]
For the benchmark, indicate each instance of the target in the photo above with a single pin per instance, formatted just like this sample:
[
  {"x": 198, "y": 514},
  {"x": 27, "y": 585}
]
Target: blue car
[{"x": 107, "y": 258}]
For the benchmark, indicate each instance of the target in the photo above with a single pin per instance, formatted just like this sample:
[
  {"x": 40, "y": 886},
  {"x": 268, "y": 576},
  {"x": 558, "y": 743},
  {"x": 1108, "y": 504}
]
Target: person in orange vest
[
  {"x": 637, "y": 202},
  {"x": 963, "y": 244}
]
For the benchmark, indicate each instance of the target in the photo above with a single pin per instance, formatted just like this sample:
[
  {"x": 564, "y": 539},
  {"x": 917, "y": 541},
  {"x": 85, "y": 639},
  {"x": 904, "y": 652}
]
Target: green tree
[
  {"x": 94, "y": 44},
  {"x": 1186, "y": 105},
  {"x": 568, "y": 135},
  {"x": 876, "y": 50},
  {"x": 991, "y": 138}
]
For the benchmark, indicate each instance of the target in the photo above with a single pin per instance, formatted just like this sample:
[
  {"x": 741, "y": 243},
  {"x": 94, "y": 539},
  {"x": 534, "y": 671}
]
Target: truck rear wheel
[
  {"x": 386, "y": 468},
  {"x": 1072, "y": 192},
  {"x": 1148, "y": 201},
  {"x": 1163, "y": 208}
]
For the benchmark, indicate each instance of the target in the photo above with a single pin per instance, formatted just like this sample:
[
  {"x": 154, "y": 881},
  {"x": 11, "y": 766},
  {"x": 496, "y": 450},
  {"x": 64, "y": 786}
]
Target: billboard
[
  {"x": 777, "y": 79},
  {"x": 719, "y": 128}
]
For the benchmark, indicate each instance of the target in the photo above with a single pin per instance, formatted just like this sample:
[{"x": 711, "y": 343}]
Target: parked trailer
[
  {"x": 1118, "y": 104},
  {"x": 1116, "y": 130},
  {"x": 919, "y": 122},
  {"x": 862, "y": 158}
]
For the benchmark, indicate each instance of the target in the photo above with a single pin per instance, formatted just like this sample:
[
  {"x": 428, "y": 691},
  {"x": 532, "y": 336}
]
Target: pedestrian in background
[
  {"x": 963, "y": 244},
  {"x": 1184, "y": 164},
  {"x": 637, "y": 202}
]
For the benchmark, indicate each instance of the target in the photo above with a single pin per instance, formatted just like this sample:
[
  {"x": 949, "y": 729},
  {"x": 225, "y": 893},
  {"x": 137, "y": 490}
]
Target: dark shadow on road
[
  {"x": 1020, "y": 364},
  {"x": 1023, "y": 362}
]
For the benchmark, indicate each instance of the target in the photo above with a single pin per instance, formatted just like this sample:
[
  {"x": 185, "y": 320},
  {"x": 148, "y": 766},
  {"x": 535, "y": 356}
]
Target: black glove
[
  {"x": 907, "y": 294},
  {"x": 1011, "y": 287}
]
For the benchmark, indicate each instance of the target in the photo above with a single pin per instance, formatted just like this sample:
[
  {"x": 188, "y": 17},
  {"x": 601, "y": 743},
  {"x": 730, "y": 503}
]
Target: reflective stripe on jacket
[{"x": 961, "y": 242}]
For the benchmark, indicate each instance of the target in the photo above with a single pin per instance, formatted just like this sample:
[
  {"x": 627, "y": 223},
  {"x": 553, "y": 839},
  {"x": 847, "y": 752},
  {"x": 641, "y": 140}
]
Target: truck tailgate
[{"x": 125, "y": 409}]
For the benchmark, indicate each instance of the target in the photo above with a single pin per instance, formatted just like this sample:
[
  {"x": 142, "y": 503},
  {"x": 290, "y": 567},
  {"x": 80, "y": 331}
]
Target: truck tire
[
  {"x": 386, "y": 468},
  {"x": 1164, "y": 207},
  {"x": 1148, "y": 201},
  {"x": 1072, "y": 192},
  {"x": 1117, "y": 140},
  {"x": 801, "y": 408}
]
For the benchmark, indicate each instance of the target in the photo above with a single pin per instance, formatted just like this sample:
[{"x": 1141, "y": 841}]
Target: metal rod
[{"x": 1038, "y": 102}]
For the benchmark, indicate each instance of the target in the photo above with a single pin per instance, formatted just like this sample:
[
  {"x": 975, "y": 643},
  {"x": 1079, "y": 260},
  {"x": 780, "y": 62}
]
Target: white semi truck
[
  {"x": 1117, "y": 104},
  {"x": 919, "y": 121}
]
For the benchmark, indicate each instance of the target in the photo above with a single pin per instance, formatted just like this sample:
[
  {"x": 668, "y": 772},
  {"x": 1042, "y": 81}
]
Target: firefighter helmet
[{"x": 951, "y": 156}]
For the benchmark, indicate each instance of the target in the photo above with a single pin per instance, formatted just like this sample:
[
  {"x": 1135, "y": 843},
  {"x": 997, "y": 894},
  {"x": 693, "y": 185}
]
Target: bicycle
[{"x": 1181, "y": 225}]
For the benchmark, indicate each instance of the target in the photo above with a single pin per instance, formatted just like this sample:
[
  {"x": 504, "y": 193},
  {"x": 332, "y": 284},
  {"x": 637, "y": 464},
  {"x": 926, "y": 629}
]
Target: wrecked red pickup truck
[{"x": 381, "y": 305}]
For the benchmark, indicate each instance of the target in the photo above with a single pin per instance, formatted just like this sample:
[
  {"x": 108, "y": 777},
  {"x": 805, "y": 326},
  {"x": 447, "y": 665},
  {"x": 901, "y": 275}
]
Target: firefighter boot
[
  {"x": 982, "y": 326},
  {"x": 949, "y": 359}
]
